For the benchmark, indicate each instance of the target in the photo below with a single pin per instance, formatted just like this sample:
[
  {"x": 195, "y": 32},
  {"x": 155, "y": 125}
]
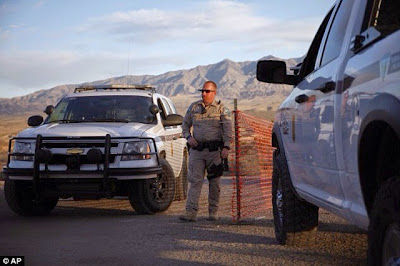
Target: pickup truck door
[
  {"x": 371, "y": 77},
  {"x": 318, "y": 112}
]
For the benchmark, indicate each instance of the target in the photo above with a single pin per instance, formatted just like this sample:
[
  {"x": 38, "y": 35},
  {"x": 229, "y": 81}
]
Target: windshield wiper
[
  {"x": 68, "y": 121},
  {"x": 91, "y": 121},
  {"x": 120, "y": 120}
]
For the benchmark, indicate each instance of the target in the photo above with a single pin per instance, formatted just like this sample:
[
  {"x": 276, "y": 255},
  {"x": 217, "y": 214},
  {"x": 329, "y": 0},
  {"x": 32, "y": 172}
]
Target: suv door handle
[
  {"x": 301, "y": 98},
  {"x": 328, "y": 87}
]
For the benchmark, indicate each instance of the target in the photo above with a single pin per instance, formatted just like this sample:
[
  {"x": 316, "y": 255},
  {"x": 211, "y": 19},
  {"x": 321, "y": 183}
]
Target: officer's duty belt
[{"x": 213, "y": 145}]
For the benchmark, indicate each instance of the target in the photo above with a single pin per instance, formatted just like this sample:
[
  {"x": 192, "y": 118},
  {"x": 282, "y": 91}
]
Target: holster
[{"x": 215, "y": 170}]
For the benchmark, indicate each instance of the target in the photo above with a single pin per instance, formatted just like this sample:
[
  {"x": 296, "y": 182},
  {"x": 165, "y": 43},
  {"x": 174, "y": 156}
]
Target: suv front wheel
[
  {"x": 295, "y": 220},
  {"x": 21, "y": 199},
  {"x": 148, "y": 196}
]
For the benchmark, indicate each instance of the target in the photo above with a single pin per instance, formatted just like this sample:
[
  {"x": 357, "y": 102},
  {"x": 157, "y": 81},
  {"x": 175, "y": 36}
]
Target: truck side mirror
[
  {"x": 272, "y": 71},
  {"x": 49, "y": 110},
  {"x": 172, "y": 120},
  {"x": 35, "y": 120}
]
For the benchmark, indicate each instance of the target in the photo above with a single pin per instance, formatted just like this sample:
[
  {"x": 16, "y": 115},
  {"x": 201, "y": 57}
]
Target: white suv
[{"x": 100, "y": 142}]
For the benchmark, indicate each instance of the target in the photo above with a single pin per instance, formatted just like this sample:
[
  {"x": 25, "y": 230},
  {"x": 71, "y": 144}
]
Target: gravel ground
[{"x": 110, "y": 232}]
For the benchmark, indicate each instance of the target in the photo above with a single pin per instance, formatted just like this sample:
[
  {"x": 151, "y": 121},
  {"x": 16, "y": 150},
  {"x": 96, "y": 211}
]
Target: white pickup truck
[
  {"x": 338, "y": 133},
  {"x": 100, "y": 142}
]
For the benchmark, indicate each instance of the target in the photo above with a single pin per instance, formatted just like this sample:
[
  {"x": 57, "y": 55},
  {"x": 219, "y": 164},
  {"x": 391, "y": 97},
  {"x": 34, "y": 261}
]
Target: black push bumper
[{"x": 43, "y": 155}]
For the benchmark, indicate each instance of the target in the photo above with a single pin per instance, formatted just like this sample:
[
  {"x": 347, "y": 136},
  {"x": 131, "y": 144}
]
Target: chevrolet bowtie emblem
[{"x": 75, "y": 151}]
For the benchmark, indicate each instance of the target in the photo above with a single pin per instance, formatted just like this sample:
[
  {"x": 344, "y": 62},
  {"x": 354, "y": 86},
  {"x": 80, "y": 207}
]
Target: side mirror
[
  {"x": 49, "y": 110},
  {"x": 172, "y": 120},
  {"x": 271, "y": 71},
  {"x": 154, "y": 109},
  {"x": 35, "y": 120}
]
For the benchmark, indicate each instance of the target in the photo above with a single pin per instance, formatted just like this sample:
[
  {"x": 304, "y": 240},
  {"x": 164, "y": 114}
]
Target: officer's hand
[
  {"x": 224, "y": 153},
  {"x": 192, "y": 142}
]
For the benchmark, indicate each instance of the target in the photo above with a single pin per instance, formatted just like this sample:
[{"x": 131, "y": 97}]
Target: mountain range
[{"x": 234, "y": 79}]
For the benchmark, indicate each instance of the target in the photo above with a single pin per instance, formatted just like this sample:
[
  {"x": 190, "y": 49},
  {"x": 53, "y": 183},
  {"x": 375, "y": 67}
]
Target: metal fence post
[{"x": 237, "y": 155}]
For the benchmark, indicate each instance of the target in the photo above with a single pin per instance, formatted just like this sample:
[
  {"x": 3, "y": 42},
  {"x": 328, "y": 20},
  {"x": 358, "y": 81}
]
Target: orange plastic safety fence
[{"x": 251, "y": 166}]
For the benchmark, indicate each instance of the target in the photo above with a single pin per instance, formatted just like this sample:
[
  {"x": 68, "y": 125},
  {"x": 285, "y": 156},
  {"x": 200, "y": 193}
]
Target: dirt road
[{"x": 108, "y": 232}]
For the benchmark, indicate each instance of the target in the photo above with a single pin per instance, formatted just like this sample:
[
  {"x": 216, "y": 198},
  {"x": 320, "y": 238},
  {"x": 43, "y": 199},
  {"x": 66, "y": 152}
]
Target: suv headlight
[
  {"x": 23, "y": 147},
  {"x": 136, "y": 150}
]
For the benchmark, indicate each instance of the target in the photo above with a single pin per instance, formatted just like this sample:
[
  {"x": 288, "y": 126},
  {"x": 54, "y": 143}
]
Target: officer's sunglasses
[{"x": 206, "y": 91}]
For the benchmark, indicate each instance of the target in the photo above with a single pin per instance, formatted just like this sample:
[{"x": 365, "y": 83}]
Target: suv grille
[
  {"x": 52, "y": 145},
  {"x": 80, "y": 159},
  {"x": 76, "y": 158}
]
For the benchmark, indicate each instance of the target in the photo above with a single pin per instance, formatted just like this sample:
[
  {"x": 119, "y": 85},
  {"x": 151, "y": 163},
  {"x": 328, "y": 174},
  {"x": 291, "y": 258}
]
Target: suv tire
[
  {"x": 148, "y": 196},
  {"x": 385, "y": 217},
  {"x": 181, "y": 186},
  {"x": 295, "y": 220},
  {"x": 21, "y": 199}
]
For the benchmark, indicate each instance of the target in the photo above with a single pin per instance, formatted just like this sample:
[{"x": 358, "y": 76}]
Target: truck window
[
  {"x": 308, "y": 64},
  {"x": 385, "y": 16},
  {"x": 337, "y": 32}
]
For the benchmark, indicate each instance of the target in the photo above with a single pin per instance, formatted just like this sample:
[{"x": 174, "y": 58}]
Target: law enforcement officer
[{"x": 208, "y": 130}]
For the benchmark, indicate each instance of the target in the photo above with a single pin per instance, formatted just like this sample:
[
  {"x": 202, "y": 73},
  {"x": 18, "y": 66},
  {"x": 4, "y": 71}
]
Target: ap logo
[{"x": 12, "y": 260}]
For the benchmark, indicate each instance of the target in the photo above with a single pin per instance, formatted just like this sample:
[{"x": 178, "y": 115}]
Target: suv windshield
[{"x": 110, "y": 108}]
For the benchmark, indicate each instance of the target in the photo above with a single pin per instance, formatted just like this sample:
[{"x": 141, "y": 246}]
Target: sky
[{"x": 45, "y": 43}]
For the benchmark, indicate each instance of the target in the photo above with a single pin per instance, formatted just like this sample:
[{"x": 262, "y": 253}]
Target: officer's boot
[{"x": 188, "y": 217}]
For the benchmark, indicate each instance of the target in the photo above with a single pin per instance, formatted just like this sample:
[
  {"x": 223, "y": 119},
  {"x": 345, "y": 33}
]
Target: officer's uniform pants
[{"x": 198, "y": 163}]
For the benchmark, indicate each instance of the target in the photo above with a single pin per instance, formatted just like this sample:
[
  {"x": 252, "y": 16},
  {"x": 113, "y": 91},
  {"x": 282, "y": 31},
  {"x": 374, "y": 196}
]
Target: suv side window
[
  {"x": 171, "y": 105},
  {"x": 164, "y": 107},
  {"x": 336, "y": 32},
  {"x": 167, "y": 107}
]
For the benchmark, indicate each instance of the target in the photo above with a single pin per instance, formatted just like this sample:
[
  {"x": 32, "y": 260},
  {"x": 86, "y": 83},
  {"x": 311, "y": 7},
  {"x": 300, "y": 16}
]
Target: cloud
[
  {"x": 213, "y": 21},
  {"x": 44, "y": 69}
]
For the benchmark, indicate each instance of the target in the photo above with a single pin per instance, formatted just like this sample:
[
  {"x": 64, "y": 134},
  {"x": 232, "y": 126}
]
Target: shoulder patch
[{"x": 227, "y": 112}]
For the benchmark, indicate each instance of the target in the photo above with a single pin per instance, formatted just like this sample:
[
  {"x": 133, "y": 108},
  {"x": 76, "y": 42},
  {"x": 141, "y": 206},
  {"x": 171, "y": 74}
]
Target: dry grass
[
  {"x": 10, "y": 125},
  {"x": 263, "y": 107}
]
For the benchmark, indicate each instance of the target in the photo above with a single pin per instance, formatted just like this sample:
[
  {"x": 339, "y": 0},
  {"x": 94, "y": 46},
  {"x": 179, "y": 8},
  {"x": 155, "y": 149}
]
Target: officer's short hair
[{"x": 211, "y": 82}]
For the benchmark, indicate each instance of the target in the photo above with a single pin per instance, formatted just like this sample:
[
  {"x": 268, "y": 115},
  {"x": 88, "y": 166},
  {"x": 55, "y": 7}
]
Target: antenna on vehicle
[{"x": 129, "y": 56}]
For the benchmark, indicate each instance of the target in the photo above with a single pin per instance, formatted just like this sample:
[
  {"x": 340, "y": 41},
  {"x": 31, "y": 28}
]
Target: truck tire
[
  {"x": 148, "y": 196},
  {"x": 295, "y": 220},
  {"x": 181, "y": 186},
  {"x": 21, "y": 199},
  {"x": 384, "y": 228}
]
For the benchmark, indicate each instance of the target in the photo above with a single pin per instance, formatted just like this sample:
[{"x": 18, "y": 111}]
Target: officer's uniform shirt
[{"x": 209, "y": 123}]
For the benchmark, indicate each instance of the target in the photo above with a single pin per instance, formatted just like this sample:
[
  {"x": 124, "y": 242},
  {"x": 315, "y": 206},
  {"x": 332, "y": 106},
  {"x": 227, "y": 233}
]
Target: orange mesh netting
[{"x": 251, "y": 166}]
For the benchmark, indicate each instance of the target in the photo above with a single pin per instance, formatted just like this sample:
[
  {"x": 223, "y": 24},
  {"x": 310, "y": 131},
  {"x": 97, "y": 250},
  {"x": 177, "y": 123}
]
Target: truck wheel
[
  {"x": 295, "y": 220},
  {"x": 181, "y": 186},
  {"x": 21, "y": 199},
  {"x": 384, "y": 228},
  {"x": 148, "y": 196}
]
